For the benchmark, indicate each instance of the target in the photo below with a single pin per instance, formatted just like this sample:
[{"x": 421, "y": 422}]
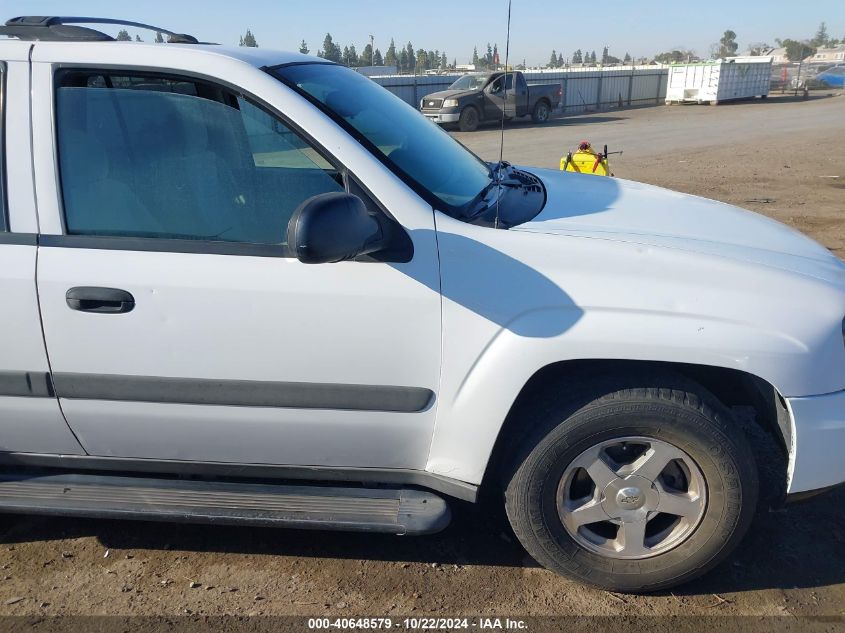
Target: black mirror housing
[{"x": 333, "y": 227}]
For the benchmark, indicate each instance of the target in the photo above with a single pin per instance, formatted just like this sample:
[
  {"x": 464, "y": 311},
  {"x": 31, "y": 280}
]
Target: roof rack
[{"x": 63, "y": 29}]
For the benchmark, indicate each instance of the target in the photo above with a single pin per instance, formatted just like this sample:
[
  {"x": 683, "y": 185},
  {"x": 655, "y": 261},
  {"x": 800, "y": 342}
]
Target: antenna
[{"x": 504, "y": 111}]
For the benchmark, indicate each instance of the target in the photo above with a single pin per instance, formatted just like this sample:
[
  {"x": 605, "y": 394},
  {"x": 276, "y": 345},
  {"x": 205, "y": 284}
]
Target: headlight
[
  {"x": 422, "y": 103},
  {"x": 450, "y": 103}
]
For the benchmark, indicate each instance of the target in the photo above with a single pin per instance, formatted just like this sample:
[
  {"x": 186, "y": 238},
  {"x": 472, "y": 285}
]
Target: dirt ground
[{"x": 783, "y": 158}]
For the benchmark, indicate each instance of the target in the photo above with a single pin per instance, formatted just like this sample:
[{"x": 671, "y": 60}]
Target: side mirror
[{"x": 333, "y": 227}]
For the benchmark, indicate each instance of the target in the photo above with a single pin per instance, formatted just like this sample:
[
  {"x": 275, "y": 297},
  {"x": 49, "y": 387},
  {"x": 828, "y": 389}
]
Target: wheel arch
[
  {"x": 478, "y": 113},
  {"x": 731, "y": 387}
]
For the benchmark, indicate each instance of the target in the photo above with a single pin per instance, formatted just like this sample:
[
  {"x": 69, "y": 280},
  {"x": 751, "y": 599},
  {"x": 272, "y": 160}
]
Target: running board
[{"x": 392, "y": 511}]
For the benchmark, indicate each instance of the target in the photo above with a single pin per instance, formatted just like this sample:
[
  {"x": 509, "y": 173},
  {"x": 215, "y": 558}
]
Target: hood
[
  {"x": 450, "y": 94},
  {"x": 621, "y": 210}
]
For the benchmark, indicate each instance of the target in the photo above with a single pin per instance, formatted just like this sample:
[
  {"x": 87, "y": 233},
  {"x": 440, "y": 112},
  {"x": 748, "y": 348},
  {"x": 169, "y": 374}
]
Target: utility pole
[{"x": 372, "y": 49}]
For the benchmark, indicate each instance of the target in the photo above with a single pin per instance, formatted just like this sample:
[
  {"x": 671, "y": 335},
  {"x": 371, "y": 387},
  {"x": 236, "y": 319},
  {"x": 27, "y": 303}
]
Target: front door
[
  {"x": 500, "y": 96},
  {"x": 177, "y": 323}
]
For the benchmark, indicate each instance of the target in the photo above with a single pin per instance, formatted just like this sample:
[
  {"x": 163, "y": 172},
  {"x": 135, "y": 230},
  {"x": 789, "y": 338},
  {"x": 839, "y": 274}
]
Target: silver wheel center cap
[{"x": 630, "y": 498}]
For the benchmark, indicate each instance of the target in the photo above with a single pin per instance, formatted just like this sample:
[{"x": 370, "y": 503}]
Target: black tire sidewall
[
  {"x": 536, "y": 113},
  {"x": 727, "y": 466},
  {"x": 462, "y": 123}
]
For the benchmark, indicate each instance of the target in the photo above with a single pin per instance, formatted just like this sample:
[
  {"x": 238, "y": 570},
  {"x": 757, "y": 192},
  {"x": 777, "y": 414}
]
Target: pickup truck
[
  {"x": 480, "y": 98},
  {"x": 243, "y": 286}
]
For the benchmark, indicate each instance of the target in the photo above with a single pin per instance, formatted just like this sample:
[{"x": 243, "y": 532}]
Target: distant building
[
  {"x": 466, "y": 68},
  {"x": 829, "y": 55},
  {"x": 778, "y": 55}
]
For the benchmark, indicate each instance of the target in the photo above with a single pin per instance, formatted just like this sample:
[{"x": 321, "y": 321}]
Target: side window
[
  {"x": 148, "y": 156},
  {"x": 508, "y": 82},
  {"x": 3, "y": 223}
]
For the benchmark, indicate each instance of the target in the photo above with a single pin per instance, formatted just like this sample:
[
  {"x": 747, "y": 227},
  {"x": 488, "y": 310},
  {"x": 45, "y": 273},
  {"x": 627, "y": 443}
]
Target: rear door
[
  {"x": 30, "y": 419},
  {"x": 208, "y": 341}
]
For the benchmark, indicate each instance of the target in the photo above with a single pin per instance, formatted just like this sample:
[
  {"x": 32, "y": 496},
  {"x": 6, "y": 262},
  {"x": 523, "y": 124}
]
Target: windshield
[
  {"x": 470, "y": 82},
  {"x": 412, "y": 145}
]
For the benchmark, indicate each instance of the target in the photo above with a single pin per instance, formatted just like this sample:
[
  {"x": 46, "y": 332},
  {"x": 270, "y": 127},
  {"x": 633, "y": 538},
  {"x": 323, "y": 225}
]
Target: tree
[
  {"x": 303, "y": 47},
  {"x": 553, "y": 60},
  {"x": 412, "y": 58},
  {"x": 123, "y": 36},
  {"x": 366, "y": 56},
  {"x": 475, "y": 60},
  {"x": 593, "y": 58},
  {"x": 138, "y": 38},
  {"x": 488, "y": 58},
  {"x": 797, "y": 51},
  {"x": 560, "y": 60},
  {"x": 422, "y": 60},
  {"x": 159, "y": 38},
  {"x": 353, "y": 56},
  {"x": 248, "y": 39},
  {"x": 444, "y": 63},
  {"x": 822, "y": 38},
  {"x": 727, "y": 45},
  {"x": 390, "y": 58},
  {"x": 626, "y": 59},
  {"x": 403, "y": 60},
  {"x": 330, "y": 51},
  {"x": 377, "y": 58},
  {"x": 673, "y": 57},
  {"x": 605, "y": 53},
  {"x": 578, "y": 57}
]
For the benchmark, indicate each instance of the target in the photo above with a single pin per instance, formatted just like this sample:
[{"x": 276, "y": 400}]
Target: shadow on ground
[
  {"x": 792, "y": 546},
  {"x": 797, "y": 547},
  {"x": 556, "y": 121},
  {"x": 787, "y": 97}
]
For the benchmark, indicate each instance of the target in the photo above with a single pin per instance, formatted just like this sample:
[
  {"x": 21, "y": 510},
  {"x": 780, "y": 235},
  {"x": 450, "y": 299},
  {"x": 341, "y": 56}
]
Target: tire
[
  {"x": 718, "y": 499},
  {"x": 469, "y": 119},
  {"x": 541, "y": 112}
]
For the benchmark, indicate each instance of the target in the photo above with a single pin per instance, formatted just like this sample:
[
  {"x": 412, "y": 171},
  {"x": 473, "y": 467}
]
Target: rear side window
[
  {"x": 4, "y": 225},
  {"x": 162, "y": 157}
]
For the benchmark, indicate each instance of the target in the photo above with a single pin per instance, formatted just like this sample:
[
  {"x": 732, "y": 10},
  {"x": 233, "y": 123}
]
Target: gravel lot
[{"x": 781, "y": 157}]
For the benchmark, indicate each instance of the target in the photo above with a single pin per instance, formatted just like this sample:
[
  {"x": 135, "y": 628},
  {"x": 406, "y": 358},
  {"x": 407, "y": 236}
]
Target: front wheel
[
  {"x": 468, "y": 121},
  {"x": 635, "y": 490},
  {"x": 541, "y": 113}
]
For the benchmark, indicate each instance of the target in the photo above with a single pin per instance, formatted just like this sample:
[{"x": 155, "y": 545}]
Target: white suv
[{"x": 247, "y": 286}]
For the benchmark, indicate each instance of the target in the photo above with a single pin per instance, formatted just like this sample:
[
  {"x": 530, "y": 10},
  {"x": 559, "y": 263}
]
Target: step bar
[{"x": 383, "y": 510}]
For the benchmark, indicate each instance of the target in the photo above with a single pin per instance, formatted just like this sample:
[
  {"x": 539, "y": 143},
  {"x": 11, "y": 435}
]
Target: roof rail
[{"x": 62, "y": 29}]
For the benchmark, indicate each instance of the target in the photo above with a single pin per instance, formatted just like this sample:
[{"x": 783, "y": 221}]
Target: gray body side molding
[{"x": 243, "y": 393}]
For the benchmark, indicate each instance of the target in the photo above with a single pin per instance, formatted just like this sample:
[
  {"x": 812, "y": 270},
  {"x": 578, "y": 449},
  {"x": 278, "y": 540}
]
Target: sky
[{"x": 642, "y": 28}]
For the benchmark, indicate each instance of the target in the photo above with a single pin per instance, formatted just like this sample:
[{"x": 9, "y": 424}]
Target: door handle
[{"x": 99, "y": 300}]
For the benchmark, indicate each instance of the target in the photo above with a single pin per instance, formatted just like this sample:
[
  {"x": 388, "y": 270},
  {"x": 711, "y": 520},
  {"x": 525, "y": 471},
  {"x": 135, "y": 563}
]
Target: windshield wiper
[{"x": 498, "y": 179}]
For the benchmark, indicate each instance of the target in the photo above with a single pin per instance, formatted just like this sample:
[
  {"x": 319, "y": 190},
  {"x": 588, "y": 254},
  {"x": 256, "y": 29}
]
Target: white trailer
[{"x": 719, "y": 80}]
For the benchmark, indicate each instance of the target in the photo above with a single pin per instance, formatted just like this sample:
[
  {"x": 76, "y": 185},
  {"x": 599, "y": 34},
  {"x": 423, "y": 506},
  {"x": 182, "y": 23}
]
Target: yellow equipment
[{"x": 587, "y": 161}]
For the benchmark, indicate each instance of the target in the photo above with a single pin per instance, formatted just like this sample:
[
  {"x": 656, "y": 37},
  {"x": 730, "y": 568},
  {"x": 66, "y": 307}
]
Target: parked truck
[{"x": 481, "y": 98}]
